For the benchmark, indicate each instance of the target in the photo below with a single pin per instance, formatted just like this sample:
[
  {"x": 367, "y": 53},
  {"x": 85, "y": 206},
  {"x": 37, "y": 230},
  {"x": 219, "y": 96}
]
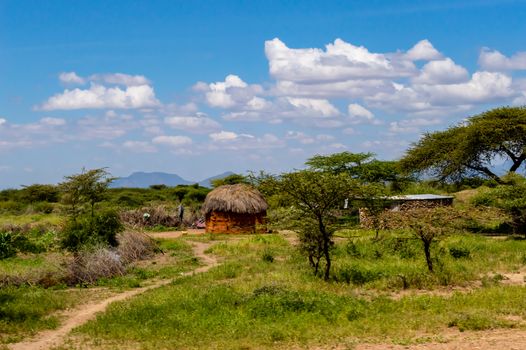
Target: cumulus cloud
[
  {"x": 71, "y": 78},
  {"x": 442, "y": 72},
  {"x": 2, "y": 121},
  {"x": 423, "y": 50},
  {"x": 493, "y": 60},
  {"x": 98, "y": 97},
  {"x": 231, "y": 93},
  {"x": 172, "y": 141},
  {"x": 195, "y": 124},
  {"x": 339, "y": 61},
  {"x": 322, "y": 107}
]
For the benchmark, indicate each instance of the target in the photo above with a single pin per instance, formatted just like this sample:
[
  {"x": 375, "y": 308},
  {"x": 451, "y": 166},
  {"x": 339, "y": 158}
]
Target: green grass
[
  {"x": 26, "y": 219},
  {"x": 251, "y": 301},
  {"x": 27, "y": 310}
]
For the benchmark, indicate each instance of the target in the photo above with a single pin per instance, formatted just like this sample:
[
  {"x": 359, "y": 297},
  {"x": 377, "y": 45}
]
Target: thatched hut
[{"x": 235, "y": 209}]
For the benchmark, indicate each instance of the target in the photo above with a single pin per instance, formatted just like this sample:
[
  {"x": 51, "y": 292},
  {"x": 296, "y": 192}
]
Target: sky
[{"x": 199, "y": 87}]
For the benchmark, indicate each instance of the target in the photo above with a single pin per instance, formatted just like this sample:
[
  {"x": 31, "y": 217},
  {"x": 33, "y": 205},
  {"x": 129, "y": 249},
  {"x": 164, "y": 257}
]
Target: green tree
[
  {"x": 316, "y": 195},
  {"x": 39, "y": 193},
  {"x": 427, "y": 224},
  {"x": 81, "y": 193},
  {"x": 468, "y": 149},
  {"x": 511, "y": 198},
  {"x": 89, "y": 187},
  {"x": 361, "y": 166},
  {"x": 231, "y": 179}
]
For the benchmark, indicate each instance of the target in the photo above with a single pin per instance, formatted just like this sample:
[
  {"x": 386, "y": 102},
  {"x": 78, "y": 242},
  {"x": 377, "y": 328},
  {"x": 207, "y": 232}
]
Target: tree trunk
[
  {"x": 326, "y": 249},
  {"x": 427, "y": 252},
  {"x": 517, "y": 162}
]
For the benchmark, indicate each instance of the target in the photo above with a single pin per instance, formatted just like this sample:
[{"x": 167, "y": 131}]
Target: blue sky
[{"x": 201, "y": 87}]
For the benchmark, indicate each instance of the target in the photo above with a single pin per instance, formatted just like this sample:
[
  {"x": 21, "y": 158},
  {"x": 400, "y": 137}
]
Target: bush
[
  {"x": 135, "y": 246},
  {"x": 102, "y": 229},
  {"x": 159, "y": 215},
  {"x": 459, "y": 252},
  {"x": 94, "y": 263},
  {"x": 7, "y": 248}
]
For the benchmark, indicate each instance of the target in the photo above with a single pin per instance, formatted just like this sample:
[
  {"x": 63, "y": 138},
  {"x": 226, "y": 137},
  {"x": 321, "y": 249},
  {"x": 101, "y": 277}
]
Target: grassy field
[
  {"x": 27, "y": 306},
  {"x": 264, "y": 296}
]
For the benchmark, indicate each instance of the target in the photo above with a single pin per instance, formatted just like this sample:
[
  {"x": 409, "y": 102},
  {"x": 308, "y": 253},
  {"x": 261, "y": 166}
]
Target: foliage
[
  {"x": 361, "y": 166},
  {"x": 7, "y": 248},
  {"x": 427, "y": 224},
  {"x": 373, "y": 200},
  {"x": 316, "y": 195},
  {"x": 87, "y": 188},
  {"x": 87, "y": 230},
  {"x": 231, "y": 179},
  {"x": 510, "y": 197},
  {"x": 469, "y": 148}
]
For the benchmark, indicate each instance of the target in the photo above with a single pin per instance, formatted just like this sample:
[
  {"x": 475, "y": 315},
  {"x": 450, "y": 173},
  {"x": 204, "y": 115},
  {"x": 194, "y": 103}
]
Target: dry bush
[
  {"x": 159, "y": 215},
  {"x": 134, "y": 246},
  {"x": 90, "y": 265}
]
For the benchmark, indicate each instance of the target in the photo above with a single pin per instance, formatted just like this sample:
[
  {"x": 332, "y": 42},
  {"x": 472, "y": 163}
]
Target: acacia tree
[
  {"x": 90, "y": 186},
  {"x": 427, "y": 224},
  {"x": 469, "y": 148},
  {"x": 316, "y": 195}
]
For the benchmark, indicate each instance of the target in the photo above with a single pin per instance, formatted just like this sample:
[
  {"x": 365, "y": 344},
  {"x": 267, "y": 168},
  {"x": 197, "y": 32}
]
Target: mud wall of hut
[{"x": 221, "y": 222}]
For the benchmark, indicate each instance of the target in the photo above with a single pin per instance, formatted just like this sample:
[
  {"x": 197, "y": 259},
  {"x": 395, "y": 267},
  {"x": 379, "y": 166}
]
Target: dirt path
[
  {"x": 83, "y": 313},
  {"x": 501, "y": 339}
]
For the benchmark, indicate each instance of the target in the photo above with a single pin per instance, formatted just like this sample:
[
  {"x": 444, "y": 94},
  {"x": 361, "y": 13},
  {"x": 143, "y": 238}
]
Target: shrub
[
  {"x": 135, "y": 246},
  {"x": 267, "y": 256},
  {"x": 102, "y": 229},
  {"x": 459, "y": 252},
  {"x": 7, "y": 248},
  {"x": 94, "y": 263}
]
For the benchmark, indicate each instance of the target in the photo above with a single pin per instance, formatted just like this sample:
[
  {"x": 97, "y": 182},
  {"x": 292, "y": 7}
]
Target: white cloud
[
  {"x": 340, "y": 61},
  {"x": 139, "y": 147},
  {"x": 2, "y": 121},
  {"x": 233, "y": 92},
  {"x": 315, "y": 106},
  {"x": 71, "y": 78},
  {"x": 224, "y": 136},
  {"x": 120, "y": 79},
  {"x": 173, "y": 141},
  {"x": 423, "y": 50},
  {"x": 98, "y": 96},
  {"x": 197, "y": 124},
  {"x": 361, "y": 115},
  {"x": 493, "y": 60},
  {"x": 442, "y": 72}
]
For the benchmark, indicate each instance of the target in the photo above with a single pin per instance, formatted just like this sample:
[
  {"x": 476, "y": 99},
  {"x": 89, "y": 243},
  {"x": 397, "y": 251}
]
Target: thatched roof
[{"x": 240, "y": 198}]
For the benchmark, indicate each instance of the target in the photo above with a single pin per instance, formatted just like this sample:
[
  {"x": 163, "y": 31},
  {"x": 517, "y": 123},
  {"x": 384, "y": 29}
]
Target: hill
[{"x": 145, "y": 180}]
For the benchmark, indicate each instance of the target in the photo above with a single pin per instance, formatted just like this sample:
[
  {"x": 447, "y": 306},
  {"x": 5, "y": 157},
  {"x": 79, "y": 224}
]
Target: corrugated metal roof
[{"x": 420, "y": 197}]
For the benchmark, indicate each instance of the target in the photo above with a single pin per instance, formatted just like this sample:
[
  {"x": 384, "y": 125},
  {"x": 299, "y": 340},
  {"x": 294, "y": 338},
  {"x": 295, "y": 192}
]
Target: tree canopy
[
  {"x": 360, "y": 166},
  {"x": 470, "y": 148}
]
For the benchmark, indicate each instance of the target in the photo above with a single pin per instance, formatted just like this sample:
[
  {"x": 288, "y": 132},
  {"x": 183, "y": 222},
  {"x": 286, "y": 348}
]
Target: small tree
[
  {"x": 231, "y": 179},
  {"x": 511, "y": 198},
  {"x": 81, "y": 192},
  {"x": 89, "y": 187},
  {"x": 316, "y": 195},
  {"x": 427, "y": 224}
]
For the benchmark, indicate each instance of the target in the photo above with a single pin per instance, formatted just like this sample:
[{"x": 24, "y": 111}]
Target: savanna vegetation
[{"x": 319, "y": 279}]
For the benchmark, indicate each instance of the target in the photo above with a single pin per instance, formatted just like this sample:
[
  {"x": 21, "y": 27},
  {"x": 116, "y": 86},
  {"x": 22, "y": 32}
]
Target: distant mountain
[
  {"x": 145, "y": 180},
  {"x": 208, "y": 182}
]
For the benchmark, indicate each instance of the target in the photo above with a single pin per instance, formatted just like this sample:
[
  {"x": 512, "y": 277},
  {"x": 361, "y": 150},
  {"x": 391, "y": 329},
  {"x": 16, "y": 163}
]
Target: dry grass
[
  {"x": 93, "y": 264},
  {"x": 240, "y": 198},
  {"x": 161, "y": 215},
  {"x": 135, "y": 246}
]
